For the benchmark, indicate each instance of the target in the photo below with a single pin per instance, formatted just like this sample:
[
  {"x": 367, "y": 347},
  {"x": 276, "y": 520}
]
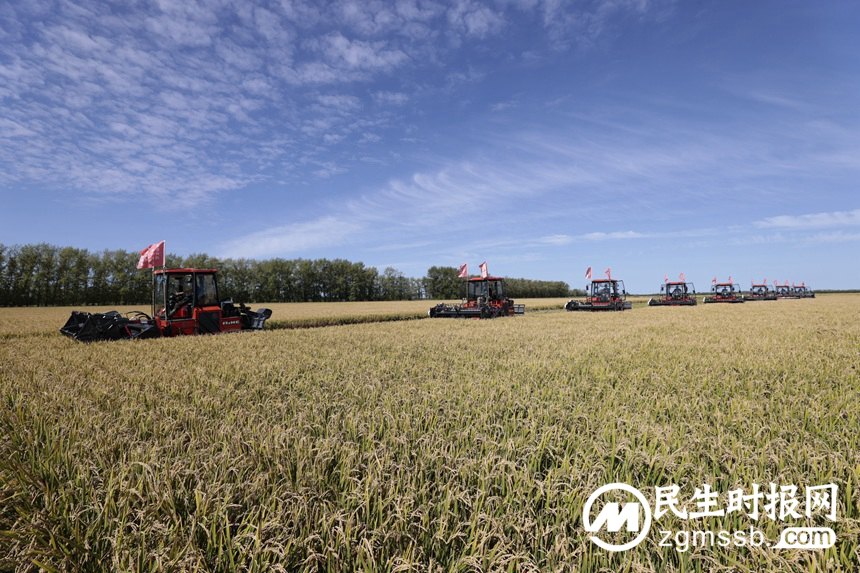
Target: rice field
[
  {"x": 420, "y": 445},
  {"x": 27, "y": 321}
]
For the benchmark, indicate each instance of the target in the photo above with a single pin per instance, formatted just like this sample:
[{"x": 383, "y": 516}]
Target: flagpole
[
  {"x": 152, "y": 295},
  {"x": 163, "y": 267}
]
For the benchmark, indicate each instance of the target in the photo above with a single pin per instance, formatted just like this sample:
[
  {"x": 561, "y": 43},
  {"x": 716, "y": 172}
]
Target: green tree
[{"x": 443, "y": 283}]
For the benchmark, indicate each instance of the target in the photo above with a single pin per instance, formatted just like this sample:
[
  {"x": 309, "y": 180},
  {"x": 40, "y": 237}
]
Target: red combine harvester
[
  {"x": 602, "y": 294},
  {"x": 724, "y": 292},
  {"x": 760, "y": 291},
  {"x": 802, "y": 291},
  {"x": 785, "y": 291},
  {"x": 485, "y": 298},
  {"x": 188, "y": 303},
  {"x": 675, "y": 294}
]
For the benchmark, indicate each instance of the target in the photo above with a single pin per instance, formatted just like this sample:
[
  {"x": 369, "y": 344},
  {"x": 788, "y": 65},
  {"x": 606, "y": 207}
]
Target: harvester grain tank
[
  {"x": 675, "y": 293},
  {"x": 184, "y": 301},
  {"x": 485, "y": 298}
]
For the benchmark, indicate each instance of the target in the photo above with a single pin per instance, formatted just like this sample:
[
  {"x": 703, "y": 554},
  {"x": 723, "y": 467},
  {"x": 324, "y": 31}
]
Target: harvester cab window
[
  {"x": 496, "y": 290},
  {"x": 158, "y": 299},
  {"x": 603, "y": 290},
  {"x": 477, "y": 289},
  {"x": 180, "y": 295},
  {"x": 207, "y": 292}
]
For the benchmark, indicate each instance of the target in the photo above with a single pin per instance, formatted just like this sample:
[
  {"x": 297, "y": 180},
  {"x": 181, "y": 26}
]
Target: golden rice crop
[
  {"x": 428, "y": 445},
  {"x": 16, "y": 322}
]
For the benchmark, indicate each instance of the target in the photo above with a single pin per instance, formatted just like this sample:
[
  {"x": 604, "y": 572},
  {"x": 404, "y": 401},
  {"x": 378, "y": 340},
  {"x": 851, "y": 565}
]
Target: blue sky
[{"x": 655, "y": 137}]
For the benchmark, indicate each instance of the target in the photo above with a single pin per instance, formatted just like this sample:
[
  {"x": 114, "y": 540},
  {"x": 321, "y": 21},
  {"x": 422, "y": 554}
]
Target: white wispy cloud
[
  {"x": 475, "y": 19},
  {"x": 296, "y": 238},
  {"x": 833, "y": 237},
  {"x": 558, "y": 240},
  {"x": 601, "y": 236},
  {"x": 343, "y": 52},
  {"x": 503, "y": 105},
  {"x": 390, "y": 98},
  {"x": 812, "y": 220},
  {"x": 778, "y": 100},
  {"x": 574, "y": 180}
]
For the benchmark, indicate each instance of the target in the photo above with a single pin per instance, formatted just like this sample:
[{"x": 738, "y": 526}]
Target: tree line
[{"x": 48, "y": 275}]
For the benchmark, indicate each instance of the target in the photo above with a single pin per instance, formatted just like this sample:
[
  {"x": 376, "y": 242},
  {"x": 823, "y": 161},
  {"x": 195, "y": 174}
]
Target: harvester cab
[
  {"x": 760, "y": 291},
  {"x": 184, "y": 301},
  {"x": 602, "y": 294},
  {"x": 485, "y": 298},
  {"x": 724, "y": 292},
  {"x": 675, "y": 294}
]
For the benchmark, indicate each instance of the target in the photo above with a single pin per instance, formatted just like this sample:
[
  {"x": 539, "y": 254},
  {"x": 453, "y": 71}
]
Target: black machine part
[
  {"x": 90, "y": 326},
  {"x": 251, "y": 319}
]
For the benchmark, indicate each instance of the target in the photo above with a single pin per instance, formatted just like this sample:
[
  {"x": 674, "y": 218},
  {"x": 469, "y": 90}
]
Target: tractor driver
[{"x": 180, "y": 300}]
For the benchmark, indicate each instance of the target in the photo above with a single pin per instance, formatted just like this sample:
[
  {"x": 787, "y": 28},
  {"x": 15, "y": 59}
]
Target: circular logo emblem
[{"x": 616, "y": 515}]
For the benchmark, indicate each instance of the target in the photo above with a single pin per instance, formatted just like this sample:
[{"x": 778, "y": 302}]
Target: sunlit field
[{"x": 420, "y": 445}]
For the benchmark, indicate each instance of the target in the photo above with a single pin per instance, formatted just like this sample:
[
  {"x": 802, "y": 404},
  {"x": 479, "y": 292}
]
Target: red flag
[
  {"x": 464, "y": 271},
  {"x": 730, "y": 278},
  {"x": 714, "y": 281},
  {"x": 483, "y": 267},
  {"x": 682, "y": 277},
  {"x": 152, "y": 256},
  {"x": 608, "y": 272},
  {"x": 666, "y": 278},
  {"x": 588, "y": 273}
]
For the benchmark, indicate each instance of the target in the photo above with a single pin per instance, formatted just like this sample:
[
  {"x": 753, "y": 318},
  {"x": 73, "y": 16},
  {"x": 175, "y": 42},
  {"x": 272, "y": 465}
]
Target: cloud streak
[
  {"x": 292, "y": 239},
  {"x": 812, "y": 220}
]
